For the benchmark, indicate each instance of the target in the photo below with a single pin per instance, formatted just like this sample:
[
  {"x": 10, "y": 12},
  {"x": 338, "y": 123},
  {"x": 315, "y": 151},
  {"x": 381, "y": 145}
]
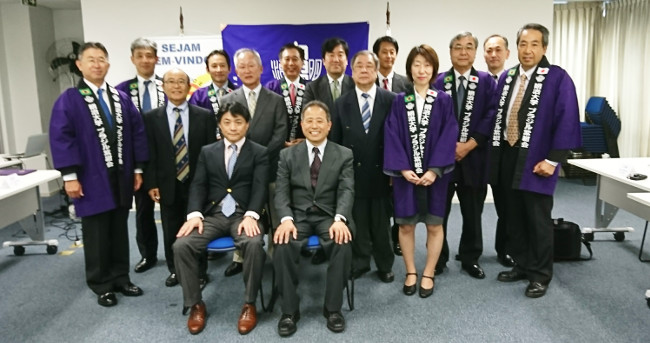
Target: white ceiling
[{"x": 53, "y": 4}]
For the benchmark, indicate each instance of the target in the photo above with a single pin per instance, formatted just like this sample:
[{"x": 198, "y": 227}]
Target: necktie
[
  {"x": 229, "y": 204},
  {"x": 496, "y": 78},
  {"x": 180, "y": 147},
  {"x": 146, "y": 98},
  {"x": 386, "y": 84},
  {"x": 315, "y": 168},
  {"x": 252, "y": 102},
  {"x": 460, "y": 95},
  {"x": 512, "y": 133},
  {"x": 104, "y": 106},
  {"x": 221, "y": 92},
  {"x": 292, "y": 94},
  {"x": 336, "y": 92},
  {"x": 365, "y": 112}
]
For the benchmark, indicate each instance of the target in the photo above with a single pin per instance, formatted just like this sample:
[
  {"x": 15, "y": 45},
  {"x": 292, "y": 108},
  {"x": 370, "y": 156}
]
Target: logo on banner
[{"x": 311, "y": 67}]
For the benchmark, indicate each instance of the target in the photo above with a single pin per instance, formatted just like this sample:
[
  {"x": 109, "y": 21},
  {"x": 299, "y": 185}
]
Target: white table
[
  {"x": 10, "y": 163},
  {"x": 21, "y": 201},
  {"x": 613, "y": 186},
  {"x": 644, "y": 199}
]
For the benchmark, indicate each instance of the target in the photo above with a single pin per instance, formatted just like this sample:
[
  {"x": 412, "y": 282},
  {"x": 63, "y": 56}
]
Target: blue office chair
[
  {"x": 313, "y": 244},
  {"x": 226, "y": 244}
]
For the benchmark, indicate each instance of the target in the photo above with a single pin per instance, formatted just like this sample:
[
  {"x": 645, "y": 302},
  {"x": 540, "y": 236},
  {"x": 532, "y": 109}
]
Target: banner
[{"x": 267, "y": 40}]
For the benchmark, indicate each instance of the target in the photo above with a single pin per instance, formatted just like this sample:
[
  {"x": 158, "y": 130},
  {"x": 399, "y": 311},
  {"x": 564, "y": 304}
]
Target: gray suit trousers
[{"x": 188, "y": 250}]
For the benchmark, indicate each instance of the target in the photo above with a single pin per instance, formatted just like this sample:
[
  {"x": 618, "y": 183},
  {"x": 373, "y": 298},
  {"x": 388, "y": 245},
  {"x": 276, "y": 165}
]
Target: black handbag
[{"x": 568, "y": 241}]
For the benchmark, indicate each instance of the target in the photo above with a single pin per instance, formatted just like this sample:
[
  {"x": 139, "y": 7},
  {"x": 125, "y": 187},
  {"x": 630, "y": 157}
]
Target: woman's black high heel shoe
[
  {"x": 410, "y": 290},
  {"x": 425, "y": 293}
]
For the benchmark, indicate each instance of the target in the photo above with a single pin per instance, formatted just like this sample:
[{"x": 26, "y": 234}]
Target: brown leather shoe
[
  {"x": 196, "y": 321},
  {"x": 247, "y": 319}
]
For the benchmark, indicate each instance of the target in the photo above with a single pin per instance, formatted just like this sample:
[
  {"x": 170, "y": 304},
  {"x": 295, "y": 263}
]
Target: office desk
[
  {"x": 612, "y": 189},
  {"x": 22, "y": 200},
  {"x": 644, "y": 199}
]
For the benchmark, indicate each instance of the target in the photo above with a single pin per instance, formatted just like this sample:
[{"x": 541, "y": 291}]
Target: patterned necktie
[
  {"x": 229, "y": 204},
  {"x": 336, "y": 92},
  {"x": 252, "y": 102},
  {"x": 365, "y": 112},
  {"x": 386, "y": 84},
  {"x": 146, "y": 97},
  {"x": 512, "y": 133},
  {"x": 221, "y": 93},
  {"x": 180, "y": 147},
  {"x": 460, "y": 95},
  {"x": 292, "y": 94},
  {"x": 104, "y": 106},
  {"x": 315, "y": 168}
]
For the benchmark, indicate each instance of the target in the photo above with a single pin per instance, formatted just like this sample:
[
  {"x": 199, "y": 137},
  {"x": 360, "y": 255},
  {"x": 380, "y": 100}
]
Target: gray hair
[
  {"x": 245, "y": 50},
  {"x": 144, "y": 43},
  {"x": 369, "y": 53},
  {"x": 463, "y": 34}
]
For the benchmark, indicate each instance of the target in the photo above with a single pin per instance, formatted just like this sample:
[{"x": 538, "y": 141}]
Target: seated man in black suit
[
  {"x": 226, "y": 198},
  {"x": 314, "y": 196}
]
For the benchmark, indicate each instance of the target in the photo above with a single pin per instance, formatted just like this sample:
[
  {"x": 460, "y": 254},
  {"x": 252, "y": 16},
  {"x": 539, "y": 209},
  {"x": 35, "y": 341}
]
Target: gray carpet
[{"x": 44, "y": 297}]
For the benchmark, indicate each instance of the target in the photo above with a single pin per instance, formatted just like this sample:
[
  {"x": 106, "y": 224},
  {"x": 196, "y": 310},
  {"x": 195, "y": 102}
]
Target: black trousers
[
  {"x": 106, "y": 249},
  {"x": 286, "y": 264},
  {"x": 472, "y": 200},
  {"x": 146, "y": 233},
  {"x": 528, "y": 223},
  {"x": 501, "y": 235},
  {"x": 173, "y": 216},
  {"x": 372, "y": 235}
]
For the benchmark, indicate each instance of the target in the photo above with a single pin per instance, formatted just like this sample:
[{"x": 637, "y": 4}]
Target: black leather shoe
[
  {"x": 474, "y": 270},
  {"x": 107, "y": 299},
  {"x": 397, "y": 249},
  {"x": 426, "y": 292},
  {"x": 171, "y": 281},
  {"x": 145, "y": 264},
  {"x": 440, "y": 268},
  {"x": 129, "y": 289},
  {"x": 287, "y": 324},
  {"x": 357, "y": 273},
  {"x": 386, "y": 277},
  {"x": 335, "y": 320},
  {"x": 233, "y": 269},
  {"x": 511, "y": 276},
  {"x": 410, "y": 289},
  {"x": 212, "y": 255},
  {"x": 319, "y": 257},
  {"x": 536, "y": 289},
  {"x": 203, "y": 281},
  {"x": 506, "y": 260}
]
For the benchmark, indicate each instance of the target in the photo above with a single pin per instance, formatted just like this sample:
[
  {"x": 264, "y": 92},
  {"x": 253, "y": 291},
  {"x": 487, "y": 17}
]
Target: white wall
[{"x": 412, "y": 21}]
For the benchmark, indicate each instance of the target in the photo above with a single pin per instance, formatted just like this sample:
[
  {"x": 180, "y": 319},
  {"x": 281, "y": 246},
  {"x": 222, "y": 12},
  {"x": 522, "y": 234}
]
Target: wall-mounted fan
[{"x": 61, "y": 56}]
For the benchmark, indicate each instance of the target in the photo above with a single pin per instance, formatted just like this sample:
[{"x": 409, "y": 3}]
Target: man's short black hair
[
  {"x": 91, "y": 45},
  {"x": 218, "y": 52},
  {"x": 384, "y": 39},
  {"x": 300, "y": 50},
  {"x": 235, "y": 109},
  {"x": 331, "y": 43}
]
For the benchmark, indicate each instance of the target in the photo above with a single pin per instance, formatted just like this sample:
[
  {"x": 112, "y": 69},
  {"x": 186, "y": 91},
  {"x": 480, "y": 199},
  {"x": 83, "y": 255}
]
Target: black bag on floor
[{"x": 567, "y": 241}]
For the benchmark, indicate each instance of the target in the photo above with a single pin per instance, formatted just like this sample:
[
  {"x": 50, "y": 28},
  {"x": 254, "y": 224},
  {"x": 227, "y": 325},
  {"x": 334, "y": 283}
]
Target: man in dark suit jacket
[
  {"x": 335, "y": 59},
  {"x": 268, "y": 125},
  {"x": 292, "y": 89},
  {"x": 358, "y": 124},
  {"x": 161, "y": 178},
  {"x": 314, "y": 196},
  {"x": 473, "y": 93},
  {"x": 226, "y": 198},
  {"x": 386, "y": 49},
  {"x": 146, "y": 93}
]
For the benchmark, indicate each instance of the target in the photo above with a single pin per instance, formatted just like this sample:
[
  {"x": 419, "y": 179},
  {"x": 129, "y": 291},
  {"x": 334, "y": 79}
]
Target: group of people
[{"x": 336, "y": 157}]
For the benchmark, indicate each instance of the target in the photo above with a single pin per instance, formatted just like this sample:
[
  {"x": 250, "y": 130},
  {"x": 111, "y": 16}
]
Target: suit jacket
[
  {"x": 160, "y": 171},
  {"x": 347, "y": 130},
  {"x": 248, "y": 184},
  {"x": 125, "y": 86},
  {"x": 334, "y": 193},
  {"x": 319, "y": 89},
  {"x": 401, "y": 84},
  {"x": 269, "y": 124}
]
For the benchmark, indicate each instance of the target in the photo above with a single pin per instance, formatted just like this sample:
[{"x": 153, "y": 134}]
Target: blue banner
[{"x": 267, "y": 40}]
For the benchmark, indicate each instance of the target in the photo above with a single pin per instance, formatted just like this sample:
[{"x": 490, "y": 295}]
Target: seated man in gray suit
[
  {"x": 314, "y": 196},
  {"x": 226, "y": 198}
]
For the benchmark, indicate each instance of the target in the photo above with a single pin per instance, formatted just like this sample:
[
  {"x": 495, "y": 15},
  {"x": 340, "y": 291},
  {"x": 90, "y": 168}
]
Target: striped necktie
[
  {"x": 365, "y": 112},
  {"x": 180, "y": 148},
  {"x": 229, "y": 203}
]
